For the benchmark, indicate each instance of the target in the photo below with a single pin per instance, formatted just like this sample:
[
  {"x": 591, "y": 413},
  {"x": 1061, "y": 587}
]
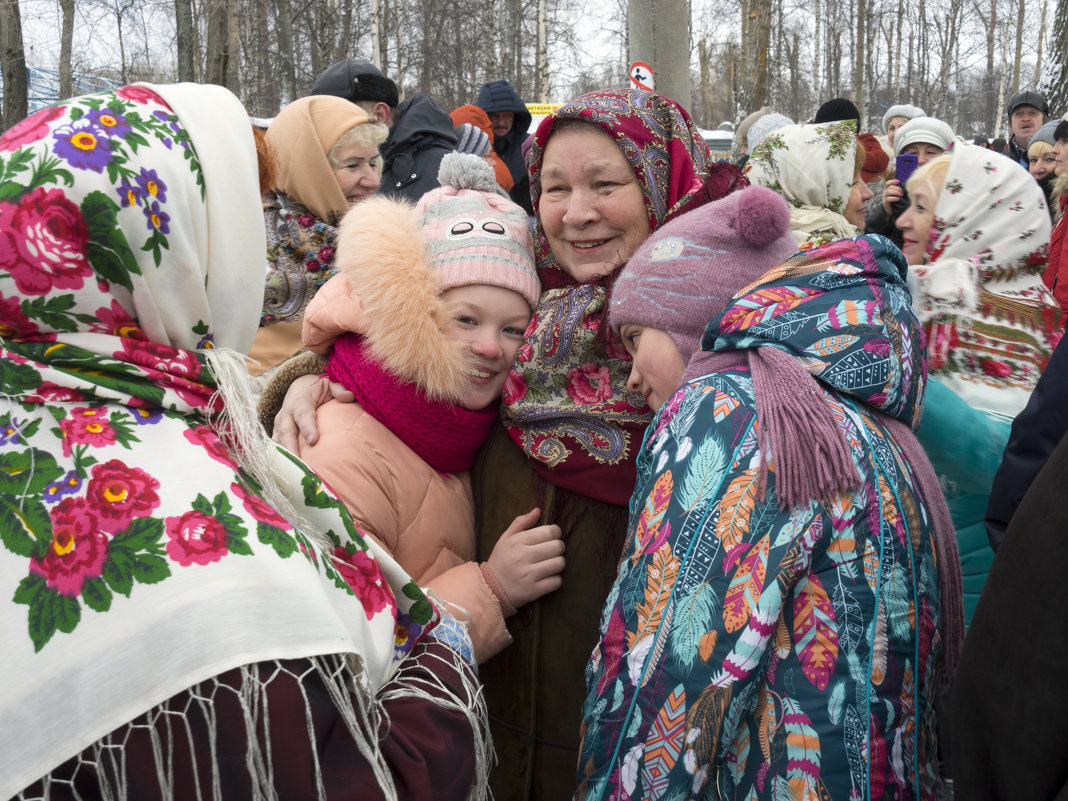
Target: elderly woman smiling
[{"x": 606, "y": 170}]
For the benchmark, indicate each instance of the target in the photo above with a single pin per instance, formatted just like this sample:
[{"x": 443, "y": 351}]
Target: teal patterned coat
[{"x": 749, "y": 652}]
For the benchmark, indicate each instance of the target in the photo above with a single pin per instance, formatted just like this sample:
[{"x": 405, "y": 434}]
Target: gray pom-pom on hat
[{"x": 466, "y": 171}]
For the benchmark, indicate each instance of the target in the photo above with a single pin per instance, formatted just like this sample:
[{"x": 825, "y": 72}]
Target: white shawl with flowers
[
  {"x": 138, "y": 556},
  {"x": 991, "y": 323}
]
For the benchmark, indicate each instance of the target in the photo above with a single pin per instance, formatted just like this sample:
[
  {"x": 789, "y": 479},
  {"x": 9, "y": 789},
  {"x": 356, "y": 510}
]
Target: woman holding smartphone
[{"x": 916, "y": 142}]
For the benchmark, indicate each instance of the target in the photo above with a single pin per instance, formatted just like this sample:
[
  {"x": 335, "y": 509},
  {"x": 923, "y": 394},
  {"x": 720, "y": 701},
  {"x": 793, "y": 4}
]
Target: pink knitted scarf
[{"x": 443, "y": 435}]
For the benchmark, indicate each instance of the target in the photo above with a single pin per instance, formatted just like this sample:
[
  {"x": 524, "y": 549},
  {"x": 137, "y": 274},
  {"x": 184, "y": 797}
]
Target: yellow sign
[{"x": 541, "y": 109}]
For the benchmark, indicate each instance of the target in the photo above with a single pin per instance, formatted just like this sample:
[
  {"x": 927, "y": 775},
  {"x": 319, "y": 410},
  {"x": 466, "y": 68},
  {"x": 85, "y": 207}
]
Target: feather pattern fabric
[{"x": 788, "y": 638}]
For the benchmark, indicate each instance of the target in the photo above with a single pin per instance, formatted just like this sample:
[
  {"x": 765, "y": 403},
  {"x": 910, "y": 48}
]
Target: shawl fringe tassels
[{"x": 232, "y": 415}]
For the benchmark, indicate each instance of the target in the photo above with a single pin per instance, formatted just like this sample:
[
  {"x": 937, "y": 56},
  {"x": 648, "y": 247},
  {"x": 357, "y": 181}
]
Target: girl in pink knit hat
[{"x": 422, "y": 324}]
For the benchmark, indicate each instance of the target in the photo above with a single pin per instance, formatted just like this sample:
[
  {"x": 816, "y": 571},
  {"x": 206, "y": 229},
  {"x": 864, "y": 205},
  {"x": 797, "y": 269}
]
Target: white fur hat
[{"x": 902, "y": 110}]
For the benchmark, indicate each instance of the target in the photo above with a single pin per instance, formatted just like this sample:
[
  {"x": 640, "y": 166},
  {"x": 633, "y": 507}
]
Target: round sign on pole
[{"x": 641, "y": 76}]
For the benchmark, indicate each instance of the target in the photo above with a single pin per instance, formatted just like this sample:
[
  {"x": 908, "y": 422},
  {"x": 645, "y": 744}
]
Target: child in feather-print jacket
[{"x": 788, "y": 601}]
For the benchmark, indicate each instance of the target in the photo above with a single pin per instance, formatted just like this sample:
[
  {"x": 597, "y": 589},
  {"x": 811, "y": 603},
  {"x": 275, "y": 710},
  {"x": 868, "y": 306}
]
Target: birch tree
[{"x": 66, "y": 36}]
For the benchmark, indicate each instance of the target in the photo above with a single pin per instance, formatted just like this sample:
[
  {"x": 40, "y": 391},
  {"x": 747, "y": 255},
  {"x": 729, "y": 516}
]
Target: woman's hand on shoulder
[{"x": 297, "y": 415}]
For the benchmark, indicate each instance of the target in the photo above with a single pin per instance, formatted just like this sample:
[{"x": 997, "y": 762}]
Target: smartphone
[{"x": 906, "y": 165}]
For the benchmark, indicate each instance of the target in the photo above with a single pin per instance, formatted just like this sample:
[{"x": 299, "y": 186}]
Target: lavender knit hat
[
  {"x": 475, "y": 235},
  {"x": 684, "y": 274}
]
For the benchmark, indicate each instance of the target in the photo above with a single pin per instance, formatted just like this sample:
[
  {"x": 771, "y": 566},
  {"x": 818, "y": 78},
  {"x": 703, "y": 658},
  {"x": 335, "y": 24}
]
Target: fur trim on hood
[{"x": 386, "y": 291}]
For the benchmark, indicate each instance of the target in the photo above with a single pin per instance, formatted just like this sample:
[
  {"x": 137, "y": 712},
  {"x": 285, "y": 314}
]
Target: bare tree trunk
[
  {"x": 66, "y": 78},
  {"x": 221, "y": 54},
  {"x": 376, "y": 34},
  {"x": 185, "y": 40},
  {"x": 1019, "y": 46},
  {"x": 858, "y": 69},
  {"x": 13, "y": 65},
  {"x": 541, "y": 56},
  {"x": 910, "y": 72},
  {"x": 1041, "y": 41},
  {"x": 704, "y": 60},
  {"x": 259, "y": 57},
  {"x": 1055, "y": 85},
  {"x": 816, "y": 48},
  {"x": 991, "y": 45},
  {"x": 287, "y": 81},
  {"x": 233, "y": 49},
  {"x": 756, "y": 27},
  {"x": 492, "y": 50}
]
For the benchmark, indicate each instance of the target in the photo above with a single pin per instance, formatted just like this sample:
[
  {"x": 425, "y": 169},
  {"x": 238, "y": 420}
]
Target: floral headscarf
[
  {"x": 657, "y": 137},
  {"x": 992, "y": 324},
  {"x": 139, "y": 555},
  {"x": 813, "y": 167},
  {"x": 565, "y": 402}
]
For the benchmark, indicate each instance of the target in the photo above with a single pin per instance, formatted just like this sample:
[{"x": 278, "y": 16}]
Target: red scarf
[{"x": 443, "y": 435}]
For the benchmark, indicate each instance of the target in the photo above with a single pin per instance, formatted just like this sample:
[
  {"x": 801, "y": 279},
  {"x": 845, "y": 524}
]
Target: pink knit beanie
[
  {"x": 475, "y": 235},
  {"x": 685, "y": 273}
]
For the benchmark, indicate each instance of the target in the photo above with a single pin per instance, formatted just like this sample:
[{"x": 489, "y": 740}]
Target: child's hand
[{"x": 528, "y": 561}]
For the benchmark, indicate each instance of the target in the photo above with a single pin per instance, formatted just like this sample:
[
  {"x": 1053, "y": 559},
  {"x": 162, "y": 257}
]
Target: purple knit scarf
[{"x": 443, "y": 435}]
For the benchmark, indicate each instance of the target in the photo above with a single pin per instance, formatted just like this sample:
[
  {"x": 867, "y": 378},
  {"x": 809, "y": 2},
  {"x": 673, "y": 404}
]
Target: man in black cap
[
  {"x": 1027, "y": 113},
  {"x": 420, "y": 133}
]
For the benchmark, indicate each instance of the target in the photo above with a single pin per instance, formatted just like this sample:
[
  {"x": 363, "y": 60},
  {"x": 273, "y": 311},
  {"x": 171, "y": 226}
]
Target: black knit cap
[
  {"x": 356, "y": 80},
  {"x": 837, "y": 110}
]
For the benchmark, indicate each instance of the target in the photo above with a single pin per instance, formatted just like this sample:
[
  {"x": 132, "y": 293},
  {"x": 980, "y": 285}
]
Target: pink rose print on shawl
[
  {"x": 86, "y": 426},
  {"x": 164, "y": 358},
  {"x": 589, "y": 384},
  {"x": 525, "y": 352},
  {"x": 116, "y": 321},
  {"x": 205, "y": 437},
  {"x": 43, "y": 241},
  {"x": 363, "y": 575},
  {"x": 119, "y": 493},
  {"x": 196, "y": 539},
  {"x": 139, "y": 94},
  {"x": 179, "y": 365},
  {"x": 16, "y": 325},
  {"x": 259, "y": 508},
  {"x": 515, "y": 387},
  {"x": 31, "y": 129},
  {"x": 47, "y": 391},
  {"x": 77, "y": 550}
]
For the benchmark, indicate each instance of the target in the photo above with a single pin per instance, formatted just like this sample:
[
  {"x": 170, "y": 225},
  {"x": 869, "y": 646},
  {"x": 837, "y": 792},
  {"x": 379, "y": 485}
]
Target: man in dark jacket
[
  {"x": 1027, "y": 113},
  {"x": 420, "y": 133},
  {"x": 510, "y": 120}
]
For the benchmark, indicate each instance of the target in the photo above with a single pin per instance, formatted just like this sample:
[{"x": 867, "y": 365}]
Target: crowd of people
[{"x": 396, "y": 453}]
